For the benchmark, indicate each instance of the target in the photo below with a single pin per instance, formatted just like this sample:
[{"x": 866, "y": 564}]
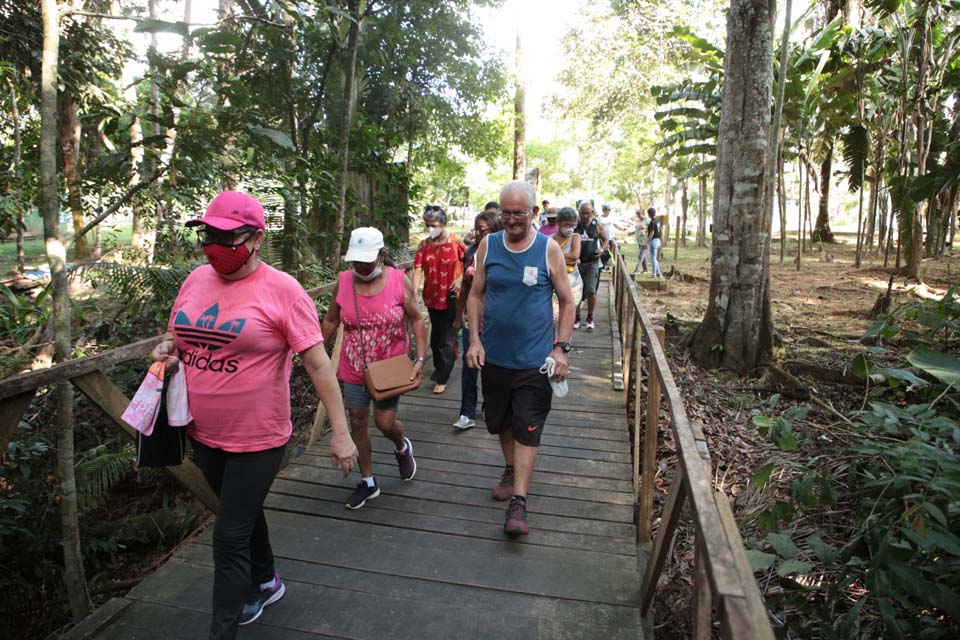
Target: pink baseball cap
[{"x": 231, "y": 210}]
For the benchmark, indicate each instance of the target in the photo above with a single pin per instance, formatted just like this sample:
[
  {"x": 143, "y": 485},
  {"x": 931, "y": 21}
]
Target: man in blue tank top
[{"x": 518, "y": 271}]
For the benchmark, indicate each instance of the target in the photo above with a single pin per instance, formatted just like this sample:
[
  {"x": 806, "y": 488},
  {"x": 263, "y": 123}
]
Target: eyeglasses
[
  {"x": 513, "y": 214},
  {"x": 233, "y": 238}
]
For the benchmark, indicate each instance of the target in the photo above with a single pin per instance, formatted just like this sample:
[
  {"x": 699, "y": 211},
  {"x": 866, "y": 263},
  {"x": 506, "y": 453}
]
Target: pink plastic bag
[{"x": 141, "y": 413}]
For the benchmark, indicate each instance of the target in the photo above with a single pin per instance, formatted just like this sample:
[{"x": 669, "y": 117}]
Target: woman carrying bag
[{"x": 374, "y": 301}]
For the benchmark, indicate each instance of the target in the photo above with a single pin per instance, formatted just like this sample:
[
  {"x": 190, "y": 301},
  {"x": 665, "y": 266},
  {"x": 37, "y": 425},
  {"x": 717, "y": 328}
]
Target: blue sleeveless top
[{"x": 518, "y": 304}]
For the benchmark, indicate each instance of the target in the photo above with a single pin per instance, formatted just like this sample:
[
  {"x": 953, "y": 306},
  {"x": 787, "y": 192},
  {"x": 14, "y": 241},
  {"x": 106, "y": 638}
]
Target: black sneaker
[
  {"x": 516, "y": 518},
  {"x": 405, "y": 462},
  {"x": 260, "y": 598},
  {"x": 361, "y": 494}
]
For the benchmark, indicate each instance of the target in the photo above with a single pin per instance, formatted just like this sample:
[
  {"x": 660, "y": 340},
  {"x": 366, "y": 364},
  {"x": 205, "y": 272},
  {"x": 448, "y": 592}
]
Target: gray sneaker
[
  {"x": 406, "y": 463},
  {"x": 260, "y": 598}
]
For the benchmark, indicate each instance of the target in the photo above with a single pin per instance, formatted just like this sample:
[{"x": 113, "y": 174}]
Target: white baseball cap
[{"x": 365, "y": 245}]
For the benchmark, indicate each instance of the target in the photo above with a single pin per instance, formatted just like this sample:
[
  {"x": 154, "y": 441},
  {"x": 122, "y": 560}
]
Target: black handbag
[{"x": 165, "y": 447}]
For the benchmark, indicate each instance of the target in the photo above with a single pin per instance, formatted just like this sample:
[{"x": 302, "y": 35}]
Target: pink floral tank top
[{"x": 382, "y": 320}]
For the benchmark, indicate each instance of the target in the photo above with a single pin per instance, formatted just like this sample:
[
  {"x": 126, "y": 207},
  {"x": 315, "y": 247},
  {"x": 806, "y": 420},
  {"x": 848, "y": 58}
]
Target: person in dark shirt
[{"x": 653, "y": 242}]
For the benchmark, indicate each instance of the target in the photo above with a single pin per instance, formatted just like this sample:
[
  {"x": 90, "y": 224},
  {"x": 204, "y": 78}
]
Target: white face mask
[
  {"x": 566, "y": 231},
  {"x": 373, "y": 275},
  {"x": 435, "y": 232}
]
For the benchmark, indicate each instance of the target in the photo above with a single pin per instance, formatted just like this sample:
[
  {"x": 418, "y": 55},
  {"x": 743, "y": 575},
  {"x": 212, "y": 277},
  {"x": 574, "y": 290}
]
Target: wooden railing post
[
  {"x": 320, "y": 417},
  {"x": 651, "y": 441},
  {"x": 704, "y": 596},
  {"x": 637, "y": 418}
]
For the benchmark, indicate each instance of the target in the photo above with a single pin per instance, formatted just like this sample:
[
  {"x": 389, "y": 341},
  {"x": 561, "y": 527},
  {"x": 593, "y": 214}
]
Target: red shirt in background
[{"x": 441, "y": 264}]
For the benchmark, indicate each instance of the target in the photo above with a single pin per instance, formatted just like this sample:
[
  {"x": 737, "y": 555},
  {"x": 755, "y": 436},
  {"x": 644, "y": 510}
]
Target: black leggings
[
  {"x": 442, "y": 337},
  {"x": 242, "y": 556}
]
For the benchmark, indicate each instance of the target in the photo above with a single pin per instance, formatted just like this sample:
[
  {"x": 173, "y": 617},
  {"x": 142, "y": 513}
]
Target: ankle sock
[
  {"x": 404, "y": 449},
  {"x": 272, "y": 583},
  {"x": 370, "y": 482},
  {"x": 522, "y": 499}
]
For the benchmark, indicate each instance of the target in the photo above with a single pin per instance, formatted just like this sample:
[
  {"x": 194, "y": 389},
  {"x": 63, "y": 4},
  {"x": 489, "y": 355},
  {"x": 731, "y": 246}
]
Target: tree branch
[{"x": 122, "y": 200}]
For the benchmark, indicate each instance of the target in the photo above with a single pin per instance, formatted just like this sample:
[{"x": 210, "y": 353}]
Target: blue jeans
[
  {"x": 468, "y": 381},
  {"x": 654, "y": 262}
]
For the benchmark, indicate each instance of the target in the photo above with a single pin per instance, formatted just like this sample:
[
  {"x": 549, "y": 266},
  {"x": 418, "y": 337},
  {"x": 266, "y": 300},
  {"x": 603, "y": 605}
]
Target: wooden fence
[
  {"x": 723, "y": 581},
  {"x": 87, "y": 375}
]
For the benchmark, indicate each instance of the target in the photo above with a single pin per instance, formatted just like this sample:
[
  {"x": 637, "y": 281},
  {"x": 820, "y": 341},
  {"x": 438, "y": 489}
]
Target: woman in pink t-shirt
[
  {"x": 373, "y": 301},
  {"x": 235, "y": 326}
]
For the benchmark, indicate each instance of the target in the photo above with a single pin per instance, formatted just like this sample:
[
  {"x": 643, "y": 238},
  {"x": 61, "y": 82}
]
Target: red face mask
[{"x": 226, "y": 260}]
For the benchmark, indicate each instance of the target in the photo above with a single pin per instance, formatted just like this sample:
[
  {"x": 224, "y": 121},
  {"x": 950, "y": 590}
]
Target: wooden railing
[
  {"x": 87, "y": 375},
  {"x": 723, "y": 581}
]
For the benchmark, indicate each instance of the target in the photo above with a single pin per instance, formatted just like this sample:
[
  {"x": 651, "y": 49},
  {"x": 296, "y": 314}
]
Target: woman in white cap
[
  {"x": 234, "y": 326},
  {"x": 383, "y": 298}
]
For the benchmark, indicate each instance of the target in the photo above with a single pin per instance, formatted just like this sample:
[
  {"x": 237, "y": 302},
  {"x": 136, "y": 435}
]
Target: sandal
[{"x": 440, "y": 388}]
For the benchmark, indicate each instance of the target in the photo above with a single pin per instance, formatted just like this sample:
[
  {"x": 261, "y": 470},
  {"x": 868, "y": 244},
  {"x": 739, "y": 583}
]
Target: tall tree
[
  {"x": 346, "y": 119},
  {"x": 74, "y": 579},
  {"x": 737, "y": 328},
  {"x": 519, "y": 116}
]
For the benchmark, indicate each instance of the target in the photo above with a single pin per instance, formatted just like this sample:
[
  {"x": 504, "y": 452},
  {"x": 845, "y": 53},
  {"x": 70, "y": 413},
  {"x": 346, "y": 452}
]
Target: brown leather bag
[{"x": 385, "y": 379}]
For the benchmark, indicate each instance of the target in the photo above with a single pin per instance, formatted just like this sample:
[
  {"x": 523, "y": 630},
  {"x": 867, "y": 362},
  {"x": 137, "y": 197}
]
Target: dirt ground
[{"x": 820, "y": 312}]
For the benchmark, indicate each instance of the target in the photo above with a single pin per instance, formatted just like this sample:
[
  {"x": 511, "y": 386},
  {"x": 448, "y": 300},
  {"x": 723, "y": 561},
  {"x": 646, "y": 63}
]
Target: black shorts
[{"x": 516, "y": 400}]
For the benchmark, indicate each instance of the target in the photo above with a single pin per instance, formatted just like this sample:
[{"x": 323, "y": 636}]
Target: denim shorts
[{"x": 355, "y": 396}]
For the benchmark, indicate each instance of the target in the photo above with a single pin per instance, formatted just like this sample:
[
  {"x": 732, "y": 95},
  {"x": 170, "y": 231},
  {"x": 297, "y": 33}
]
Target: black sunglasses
[{"x": 233, "y": 238}]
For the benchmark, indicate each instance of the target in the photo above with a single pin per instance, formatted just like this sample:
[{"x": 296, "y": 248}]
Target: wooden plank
[
  {"x": 481, "y": 497},
  {"x": 561, "y": 611},
  {"x": 388, "y": 511},
  {"x": 11, "y": 410},
  {"x": 102, "y": 616},
  {"x": 638, "y": 405},
  {"x": 756, "y": 609},
  {"x": 618, "y": 369},
  {"x": 545, "y": 462},
  {"x": 569, "y": 440},
  {"x": 703, "y": 600},
  {"x": 20, "y": 383},
  {"x": 651, "y": 441},
  {"x": 316, "y": 469},
  {"x": 106, "y": 395},
  {"x": 668, "y": 525},
  {"x": 317, "y": 457},
  {"x": 332, "y": 612}
]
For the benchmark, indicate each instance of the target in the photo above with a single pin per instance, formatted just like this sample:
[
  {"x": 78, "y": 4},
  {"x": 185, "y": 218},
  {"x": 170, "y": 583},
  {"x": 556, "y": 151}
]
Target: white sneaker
[
  {"x": 576, "y": 324},
  {"x": 465, "y": 423},
  {"x": 590, "y": 325}
]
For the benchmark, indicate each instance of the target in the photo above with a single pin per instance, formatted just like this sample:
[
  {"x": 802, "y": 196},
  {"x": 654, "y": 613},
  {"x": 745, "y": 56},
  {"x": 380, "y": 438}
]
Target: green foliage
[{"x": 99, "y": 469}]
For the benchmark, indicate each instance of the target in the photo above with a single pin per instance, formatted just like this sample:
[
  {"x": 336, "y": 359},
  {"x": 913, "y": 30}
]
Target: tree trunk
[
  {"x": 519, "y": 118},
  {"x": 737, "y": 328},
  {"x": 800, "y": 209},
  {"x": 17, "y": 175},
  {"x": 822, "y": 232},
  {"x": 137, "y": 170},
  {"x": 702, "y": 212},
  {"x": 69, "y": 129},
  {"x": 228, "y": 171},
  {"x": 346, "y": 118},
  {"x": 684, "y": 205},
  {"x": 782, "y": 202},
  {"x": 73, "y": 574},
  {"x": 774, "y": 161}
]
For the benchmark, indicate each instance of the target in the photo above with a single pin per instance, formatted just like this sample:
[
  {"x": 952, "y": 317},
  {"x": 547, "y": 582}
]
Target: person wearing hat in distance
[
  {"x": 234, "y": 326},
  {"x": 438, "y": 265},
  {"x": 518, "y": 271},
  {"x": 385, "y": 299},
  {"x": 550, "y": 229}
]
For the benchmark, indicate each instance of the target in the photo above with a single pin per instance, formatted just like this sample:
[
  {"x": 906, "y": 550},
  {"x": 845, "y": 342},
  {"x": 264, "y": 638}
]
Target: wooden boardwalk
[{"x": 428, "y": 558}]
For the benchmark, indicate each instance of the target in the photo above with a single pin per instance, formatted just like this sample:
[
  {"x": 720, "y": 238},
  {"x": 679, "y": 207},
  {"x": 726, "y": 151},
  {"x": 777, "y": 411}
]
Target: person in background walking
[
  {"x": 518, "y": 272},
  {"x": 384, "y": 299},
  {"x": 640, "y": 235},
  {"x": 653, "y": 242},
  {"x": 439, "y": 265},
  {"x": 485, "y": 223},
  {"x": 243, "y": 320},
  {"x": 592, "y": 243},
  {"x": 551, "y": 227},
  {"x": 607, "y": 223}
]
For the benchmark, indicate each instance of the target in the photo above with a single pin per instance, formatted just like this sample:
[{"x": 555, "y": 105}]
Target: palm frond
[
  {"x": 856, "y": 153},
  {"x": 101, "y": 470}
]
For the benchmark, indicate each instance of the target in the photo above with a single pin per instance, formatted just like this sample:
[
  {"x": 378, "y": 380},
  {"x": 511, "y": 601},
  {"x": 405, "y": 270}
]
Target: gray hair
[
  {"x": 434, "y": 212},
  {"x": 523, "y": 186},
  {"x": 567, "y": 214}
]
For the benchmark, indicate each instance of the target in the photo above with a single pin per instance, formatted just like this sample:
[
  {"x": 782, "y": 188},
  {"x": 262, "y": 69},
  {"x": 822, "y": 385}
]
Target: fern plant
[{"x": 99, "y": 469}]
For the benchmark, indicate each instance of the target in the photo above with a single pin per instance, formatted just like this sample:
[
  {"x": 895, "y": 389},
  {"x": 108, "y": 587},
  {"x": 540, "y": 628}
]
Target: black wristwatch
[{"x": 566, "y": 346}]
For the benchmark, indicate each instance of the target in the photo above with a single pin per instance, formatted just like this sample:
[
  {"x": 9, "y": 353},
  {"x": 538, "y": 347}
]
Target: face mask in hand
[
  {"x": 434, "y": 232},
  {"x": 226, "y": 260}
]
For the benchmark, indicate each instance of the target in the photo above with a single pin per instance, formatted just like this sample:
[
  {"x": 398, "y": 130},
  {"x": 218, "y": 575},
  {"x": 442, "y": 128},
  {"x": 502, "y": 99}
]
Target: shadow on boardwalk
[{"x": 429, "y": 559}]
